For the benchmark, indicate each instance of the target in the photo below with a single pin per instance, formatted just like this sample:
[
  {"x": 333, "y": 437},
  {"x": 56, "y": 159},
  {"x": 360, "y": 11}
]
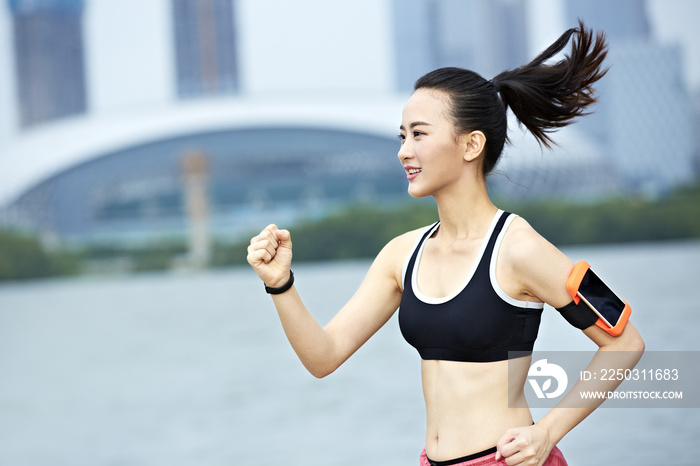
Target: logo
[{"x": 542, "y": 370}]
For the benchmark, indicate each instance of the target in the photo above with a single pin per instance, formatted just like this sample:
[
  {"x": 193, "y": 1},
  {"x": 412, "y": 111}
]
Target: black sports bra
[{"x": 477, "y": 323}]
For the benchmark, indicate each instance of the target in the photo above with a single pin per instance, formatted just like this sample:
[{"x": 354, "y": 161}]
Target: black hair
[{"x": 543, "y": 97}]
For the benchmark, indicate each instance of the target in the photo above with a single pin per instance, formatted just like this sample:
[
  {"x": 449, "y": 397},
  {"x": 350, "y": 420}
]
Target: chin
[{"x": 417, "y": 193}]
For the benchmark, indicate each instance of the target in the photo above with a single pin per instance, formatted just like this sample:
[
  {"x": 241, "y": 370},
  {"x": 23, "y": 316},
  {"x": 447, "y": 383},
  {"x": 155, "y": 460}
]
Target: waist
[
  {"x": 484, "y": 454},
  {"x": 447, "y": 442},
  {"x": 470, "y": 405}
]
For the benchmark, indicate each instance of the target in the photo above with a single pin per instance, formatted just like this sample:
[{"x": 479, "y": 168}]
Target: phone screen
[{"x": 600, "y": 298}]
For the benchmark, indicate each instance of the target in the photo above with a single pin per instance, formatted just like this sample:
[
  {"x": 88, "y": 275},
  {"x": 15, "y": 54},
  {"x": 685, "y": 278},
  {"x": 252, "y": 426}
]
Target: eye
[
  {"x": 401, "y": 137},
  {"x": 418, "y": 133}
]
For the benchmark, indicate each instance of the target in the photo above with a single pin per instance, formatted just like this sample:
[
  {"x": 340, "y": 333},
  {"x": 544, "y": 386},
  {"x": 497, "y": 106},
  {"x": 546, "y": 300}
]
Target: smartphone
[
  {"x": 613, "y": 313},
  {"x": 601, "y": 299}
]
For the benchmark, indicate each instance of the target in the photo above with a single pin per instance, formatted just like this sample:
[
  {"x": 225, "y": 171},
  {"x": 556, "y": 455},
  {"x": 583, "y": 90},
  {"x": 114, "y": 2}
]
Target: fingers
[
  {"x": 505, "y": 446},
  {"x": 258, "y": 254},
  {"x": 522, "y": 446},
  {"x": 263, "y": 247}
]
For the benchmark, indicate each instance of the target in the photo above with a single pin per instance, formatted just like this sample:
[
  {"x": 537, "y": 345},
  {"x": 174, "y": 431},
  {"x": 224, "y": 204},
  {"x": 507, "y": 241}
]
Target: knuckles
[{"x": 263, "y": 247}]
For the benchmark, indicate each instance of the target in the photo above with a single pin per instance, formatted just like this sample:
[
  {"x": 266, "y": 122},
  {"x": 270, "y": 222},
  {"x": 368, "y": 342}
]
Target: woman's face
[{"x": 430, "y": 153}]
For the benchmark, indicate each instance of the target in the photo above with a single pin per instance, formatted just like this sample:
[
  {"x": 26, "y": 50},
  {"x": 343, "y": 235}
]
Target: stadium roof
[{"x": 39, "y": 154}]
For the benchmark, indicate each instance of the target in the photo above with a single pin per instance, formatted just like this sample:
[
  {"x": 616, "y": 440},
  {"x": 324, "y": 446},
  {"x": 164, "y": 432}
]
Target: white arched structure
[
  {"x": 49, "y": 150},
  {"x": 48, "y": 182},
  {"x": 42, "y": 153}
]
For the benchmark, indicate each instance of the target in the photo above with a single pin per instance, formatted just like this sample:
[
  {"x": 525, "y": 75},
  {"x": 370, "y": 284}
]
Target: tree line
[{"x": 360, "y": 231}]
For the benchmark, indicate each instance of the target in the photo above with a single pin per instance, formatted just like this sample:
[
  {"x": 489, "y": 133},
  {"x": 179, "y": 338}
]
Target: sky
[{"x": 129, "y": 43}]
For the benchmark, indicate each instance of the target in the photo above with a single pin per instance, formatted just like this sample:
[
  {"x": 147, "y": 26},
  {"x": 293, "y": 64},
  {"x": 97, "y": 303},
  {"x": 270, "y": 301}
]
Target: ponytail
[
  {"x": 547, "y": 97},
  {"x": 542, "y": 97}
]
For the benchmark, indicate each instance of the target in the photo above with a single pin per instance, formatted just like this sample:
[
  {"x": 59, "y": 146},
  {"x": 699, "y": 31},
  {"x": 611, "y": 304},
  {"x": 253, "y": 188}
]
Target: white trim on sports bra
[
  {"x": 492, "y": 273},
  {"x": 413, "y": 248},
  {"x": 475, "y": 265}
]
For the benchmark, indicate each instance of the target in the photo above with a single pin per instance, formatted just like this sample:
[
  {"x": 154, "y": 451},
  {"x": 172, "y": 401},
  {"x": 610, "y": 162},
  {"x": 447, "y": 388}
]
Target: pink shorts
[{"x": 555, "y": 458}]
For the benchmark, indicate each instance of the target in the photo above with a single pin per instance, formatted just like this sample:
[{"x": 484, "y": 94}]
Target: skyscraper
[
  {"x": 484, "y": 36},
  {"x": 49, "y": 59},
  {"x": 620, "y": 19},
  {"x": 414, "y": 47},
  {"x": 206, "y": 47},
  {"x": 642, "y": 98},
  {"x": 646, "y": 103}
]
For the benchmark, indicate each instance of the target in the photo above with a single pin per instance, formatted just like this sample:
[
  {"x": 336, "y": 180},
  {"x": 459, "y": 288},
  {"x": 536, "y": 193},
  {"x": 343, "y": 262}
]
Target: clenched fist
[{"x": 270, "y": 255}]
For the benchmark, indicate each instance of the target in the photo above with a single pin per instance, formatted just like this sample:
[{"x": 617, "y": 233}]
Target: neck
[{"x": 465, "y": 210}]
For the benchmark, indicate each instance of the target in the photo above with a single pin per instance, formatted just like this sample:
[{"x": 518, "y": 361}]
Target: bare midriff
[{"x": 470, "y": 405}]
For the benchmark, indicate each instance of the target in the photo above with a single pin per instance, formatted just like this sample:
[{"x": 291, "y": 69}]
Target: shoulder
[
  {"x": 541, "y": 266},
  {"x": 402, "y": 245},
  {"x": 522, "y": 241},
  {"x": 393, "y": 255}
]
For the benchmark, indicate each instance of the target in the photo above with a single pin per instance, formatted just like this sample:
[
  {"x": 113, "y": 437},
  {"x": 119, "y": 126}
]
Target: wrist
[
  {"x": 282, "y": 286},
  {"x": 551, "y": 428}
]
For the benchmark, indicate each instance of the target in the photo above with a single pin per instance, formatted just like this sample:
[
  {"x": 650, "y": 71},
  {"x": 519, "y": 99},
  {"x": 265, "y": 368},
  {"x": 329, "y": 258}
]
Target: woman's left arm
[{"x": 541, "y": 271}]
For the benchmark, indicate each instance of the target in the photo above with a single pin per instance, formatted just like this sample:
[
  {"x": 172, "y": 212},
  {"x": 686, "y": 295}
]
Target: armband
[
  {"x": 585, "y": 287},
  {"x": 579, "y": 315}
]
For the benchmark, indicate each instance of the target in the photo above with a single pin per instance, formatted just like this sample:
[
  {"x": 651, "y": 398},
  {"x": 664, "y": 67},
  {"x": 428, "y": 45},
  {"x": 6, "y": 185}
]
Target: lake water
[{"x": 194, "y": 369}]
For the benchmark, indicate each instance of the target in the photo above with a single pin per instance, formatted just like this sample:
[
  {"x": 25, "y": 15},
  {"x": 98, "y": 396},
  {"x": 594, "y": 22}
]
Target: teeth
[{"x": 413, "y": 171}]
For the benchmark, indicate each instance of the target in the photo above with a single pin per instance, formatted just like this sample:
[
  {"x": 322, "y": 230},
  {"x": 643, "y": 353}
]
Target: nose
[{"x": 405, "y": 151}]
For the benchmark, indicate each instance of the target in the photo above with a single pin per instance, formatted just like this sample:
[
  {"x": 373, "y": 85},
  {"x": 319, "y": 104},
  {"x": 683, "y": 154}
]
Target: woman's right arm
[{"x": 323, "y": 349}]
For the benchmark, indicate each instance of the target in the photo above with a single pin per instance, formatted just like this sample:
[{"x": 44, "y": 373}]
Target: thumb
[{"x": 285, "y": 238}]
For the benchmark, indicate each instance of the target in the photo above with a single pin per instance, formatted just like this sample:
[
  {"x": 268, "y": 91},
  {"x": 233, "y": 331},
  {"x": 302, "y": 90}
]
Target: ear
[{"x": 473, "y": 144}]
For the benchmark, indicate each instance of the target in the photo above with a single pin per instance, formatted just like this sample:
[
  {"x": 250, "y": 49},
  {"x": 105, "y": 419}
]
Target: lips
[{"x": 412, "y": 172}]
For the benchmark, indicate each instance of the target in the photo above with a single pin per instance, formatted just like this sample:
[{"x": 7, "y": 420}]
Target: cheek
[{"x": 447, "y": 158}]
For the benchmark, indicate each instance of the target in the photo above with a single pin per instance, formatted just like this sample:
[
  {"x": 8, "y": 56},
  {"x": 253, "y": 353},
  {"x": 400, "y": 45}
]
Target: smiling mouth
[{"x": 413, "y": 171}]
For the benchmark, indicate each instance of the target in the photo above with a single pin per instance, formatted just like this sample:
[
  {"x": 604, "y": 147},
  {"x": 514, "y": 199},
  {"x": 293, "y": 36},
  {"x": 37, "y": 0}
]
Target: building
[
  {"x": 646, "y": 102},
  {"x": 266, "y": 162},
  {"x": 696, "y": 132},
  {"x": 486, "y": 37},
  {"x": 205, "y": 47},
  {"x": 115, "y": 174},
  {"x": 576, "y": 171},
  {"x": 641, "y": 99},
  {"x": 299, "y": 125},
  {"x": 620, "y": 19},
  {"x": 49, "y": 59}
]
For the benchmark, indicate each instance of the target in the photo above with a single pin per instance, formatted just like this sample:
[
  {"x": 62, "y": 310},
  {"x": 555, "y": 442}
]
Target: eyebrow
[{"x": 416, "y": 123}]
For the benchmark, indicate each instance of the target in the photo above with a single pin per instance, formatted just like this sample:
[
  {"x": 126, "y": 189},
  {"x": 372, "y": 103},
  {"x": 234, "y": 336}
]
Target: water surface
[{"x": 194, "y": 369}]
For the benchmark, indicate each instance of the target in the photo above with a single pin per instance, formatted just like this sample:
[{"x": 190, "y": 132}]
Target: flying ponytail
[
  {"x": 547, "y": 97},
  {"x": 543, "y": 97}
]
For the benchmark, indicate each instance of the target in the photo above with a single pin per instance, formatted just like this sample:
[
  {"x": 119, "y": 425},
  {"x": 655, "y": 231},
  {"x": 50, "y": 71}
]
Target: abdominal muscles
[{"x": 469, "y": 406}]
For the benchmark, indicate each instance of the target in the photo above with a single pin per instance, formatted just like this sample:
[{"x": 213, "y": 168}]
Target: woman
[{"x": 471, "y": 287}]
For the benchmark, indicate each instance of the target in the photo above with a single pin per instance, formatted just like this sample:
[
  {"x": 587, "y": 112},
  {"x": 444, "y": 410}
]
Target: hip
[{"x": 488, "y": 458}]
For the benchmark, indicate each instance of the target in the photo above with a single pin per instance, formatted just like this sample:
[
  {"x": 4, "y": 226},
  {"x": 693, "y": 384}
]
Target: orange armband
[{"x": 584, "y": 285}]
